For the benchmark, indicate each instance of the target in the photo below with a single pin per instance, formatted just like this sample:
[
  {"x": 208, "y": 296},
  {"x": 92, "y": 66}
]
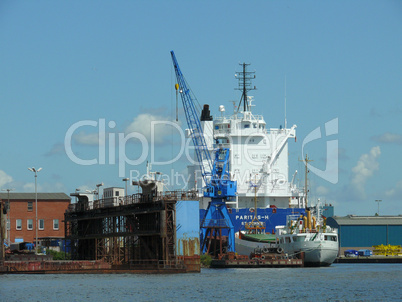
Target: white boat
[{"x": 309, "y": 234}]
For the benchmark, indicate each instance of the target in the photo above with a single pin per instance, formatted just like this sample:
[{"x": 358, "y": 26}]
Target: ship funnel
[{"x": 206, "y": 114}]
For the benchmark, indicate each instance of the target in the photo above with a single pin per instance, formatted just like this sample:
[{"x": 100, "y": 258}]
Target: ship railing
[
  {"x": 255, "y": 225},
  {"x": 254, "y": 131},
  {"x": 180, "y": 195},
  {"x": 277, "y": 131},
  {"x": 292, "y": 217},
  {"x": 318, "y": 229},
  {"x": 132, "y": 199},
  {"x": 215, "y": 223},
  {"x": 234, "y": 130},
  {"x": 223, "y": 131},
  {"x": 226, "y": 145},
  {"x": 239, "y": 116}
]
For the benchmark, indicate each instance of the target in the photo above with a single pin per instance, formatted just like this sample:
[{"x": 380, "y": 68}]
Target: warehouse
[{"x": 358, "y": 232}]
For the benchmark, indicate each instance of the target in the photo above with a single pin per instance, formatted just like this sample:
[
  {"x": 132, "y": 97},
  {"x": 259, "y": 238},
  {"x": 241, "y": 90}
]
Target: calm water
[{"x": 340, "y": 282}]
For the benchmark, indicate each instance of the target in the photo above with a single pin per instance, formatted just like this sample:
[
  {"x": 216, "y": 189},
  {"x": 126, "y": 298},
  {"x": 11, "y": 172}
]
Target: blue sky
[{"x": 64, "y": 62}]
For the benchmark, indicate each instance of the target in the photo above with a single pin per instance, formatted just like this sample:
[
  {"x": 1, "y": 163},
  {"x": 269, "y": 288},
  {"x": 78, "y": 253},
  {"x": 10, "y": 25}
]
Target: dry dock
[
  {"x": 131, "y": 234},
  {"x": 90, "y": 267}
]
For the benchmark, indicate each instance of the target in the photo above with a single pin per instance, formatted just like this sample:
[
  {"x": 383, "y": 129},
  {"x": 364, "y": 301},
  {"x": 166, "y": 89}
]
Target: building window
[
  {"x": 30, "y": 224},
  {"x": 41, "y": 224},
  {"x": 30, "y": 206},
  {"x": 19, "y": 224},
  {"x": 8, "y": 225},
  {"x": 55, "y": 224},
  {"x": 117, "y": 193}
]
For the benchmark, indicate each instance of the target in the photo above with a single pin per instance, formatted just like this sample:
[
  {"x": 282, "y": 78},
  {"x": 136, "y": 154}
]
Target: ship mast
[
  {"x": 306, "y": 161},
  {"x": 245, "y": 85},
  {"x": 255, "y": 226}
]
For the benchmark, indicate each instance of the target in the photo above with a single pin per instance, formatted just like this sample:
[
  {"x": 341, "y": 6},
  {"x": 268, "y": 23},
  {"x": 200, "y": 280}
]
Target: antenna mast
[
  {"x": 285, "y": 102},
  {"x": 245, "y": 85},
  {"x": 306, "y": 161}
]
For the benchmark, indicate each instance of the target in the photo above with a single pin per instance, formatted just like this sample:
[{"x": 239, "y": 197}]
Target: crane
[
  {"x": 193, "y": 122},
  {"x": 218, "y": 185}
]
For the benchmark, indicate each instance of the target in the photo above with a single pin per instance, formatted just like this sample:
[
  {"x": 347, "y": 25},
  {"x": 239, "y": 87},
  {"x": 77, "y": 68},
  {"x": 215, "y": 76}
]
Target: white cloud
[
  {"x": 91, "y": 139},
  {"x": 57, "y": 148},
  {"x": 396, "y": 191},
  {"x": 85, "y": 188},
  {"x": 321, "y": 191},
  {"x": 388, "y": 138},
  {"x": 54, "y": 187},
  {"x": 4, "y": 178},
  {"x": 143, "y": 124},
  {"x": 365, "y": 168},
  {"x": 44, "y": 187},
  {"x": 342, "y": 154},
  {"x": 30, "y": 187}
]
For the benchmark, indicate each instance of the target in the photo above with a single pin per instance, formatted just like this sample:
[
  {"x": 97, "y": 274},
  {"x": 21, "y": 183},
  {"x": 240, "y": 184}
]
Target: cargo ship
[{"x": 258, "y": 162}]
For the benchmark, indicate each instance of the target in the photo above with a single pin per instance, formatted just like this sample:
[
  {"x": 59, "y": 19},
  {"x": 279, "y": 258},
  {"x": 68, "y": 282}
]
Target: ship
[
  {"x": 258, "y": 162},
  {"x": 309, "y": 235}
]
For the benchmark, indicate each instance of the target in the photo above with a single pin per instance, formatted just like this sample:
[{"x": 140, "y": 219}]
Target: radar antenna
[{"x": 245, "y": 85}]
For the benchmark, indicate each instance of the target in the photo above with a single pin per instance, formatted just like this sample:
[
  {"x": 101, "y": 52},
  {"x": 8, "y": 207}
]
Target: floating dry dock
[
  {"x": 90, "y": 267},
  {"x": 141, "y": 233}
]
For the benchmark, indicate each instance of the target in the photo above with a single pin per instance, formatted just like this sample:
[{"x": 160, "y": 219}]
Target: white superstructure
[
  {"x": 113, "y": 196},
  {"x": 258, "y": 159}
]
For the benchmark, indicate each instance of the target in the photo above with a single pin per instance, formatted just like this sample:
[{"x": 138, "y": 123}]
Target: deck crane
[{"x": 218, "y": 185}]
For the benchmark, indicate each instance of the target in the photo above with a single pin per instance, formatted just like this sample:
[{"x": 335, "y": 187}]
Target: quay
[{"x": 370, "y": 259}]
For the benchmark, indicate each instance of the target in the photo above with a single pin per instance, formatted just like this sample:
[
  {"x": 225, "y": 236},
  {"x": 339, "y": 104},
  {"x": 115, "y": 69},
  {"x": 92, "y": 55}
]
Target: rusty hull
[{"x": 187, "y": 264}]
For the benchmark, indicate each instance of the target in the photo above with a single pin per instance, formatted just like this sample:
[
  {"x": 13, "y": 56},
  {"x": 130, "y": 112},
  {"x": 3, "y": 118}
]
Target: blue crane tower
[{"x": 216, "y": 223}]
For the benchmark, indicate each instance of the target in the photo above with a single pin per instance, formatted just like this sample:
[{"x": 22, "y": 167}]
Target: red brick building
[{"x": 21, "y": 226}]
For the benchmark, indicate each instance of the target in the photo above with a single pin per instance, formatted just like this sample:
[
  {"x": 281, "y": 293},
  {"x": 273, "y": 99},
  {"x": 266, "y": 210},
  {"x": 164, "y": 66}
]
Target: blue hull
[{"x": 270, "y": 216}]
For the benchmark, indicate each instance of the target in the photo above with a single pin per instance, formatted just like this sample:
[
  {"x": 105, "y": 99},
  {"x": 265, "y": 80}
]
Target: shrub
[
  {"x": 58, "y": 255},
  {"x": 206, "y": 260}
]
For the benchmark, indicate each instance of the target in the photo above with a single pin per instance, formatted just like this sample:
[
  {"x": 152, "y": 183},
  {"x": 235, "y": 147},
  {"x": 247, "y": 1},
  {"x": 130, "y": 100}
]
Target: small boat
[
  {"x": 254, "y": 239},
  {"x": 263, "y": 243},
  {"x": 309, "y": 234},
  {"x": 318, "y": 241}
]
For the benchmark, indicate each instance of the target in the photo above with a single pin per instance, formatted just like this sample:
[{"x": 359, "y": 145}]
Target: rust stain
[{"x": 189, "y": 246}]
